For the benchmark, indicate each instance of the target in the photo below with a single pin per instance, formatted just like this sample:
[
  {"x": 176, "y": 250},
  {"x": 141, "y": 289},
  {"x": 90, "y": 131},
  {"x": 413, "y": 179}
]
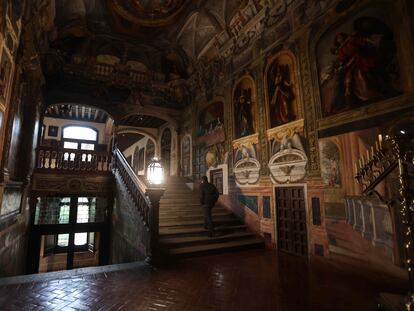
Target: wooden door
[
  {"x": 216, "y": 178},
  {"x": 291, "y": 220}
]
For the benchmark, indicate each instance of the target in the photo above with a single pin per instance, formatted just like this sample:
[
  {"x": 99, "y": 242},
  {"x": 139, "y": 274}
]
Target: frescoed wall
[
  {"x": 281, "y": 89},
  {"x": 330, "y": 163},
  {"x": 244, "y": 103},
  {"x": 357, "y": 63}
]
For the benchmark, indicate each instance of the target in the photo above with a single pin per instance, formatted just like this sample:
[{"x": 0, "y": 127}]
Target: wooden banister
[{"x": 146, "y": 200}]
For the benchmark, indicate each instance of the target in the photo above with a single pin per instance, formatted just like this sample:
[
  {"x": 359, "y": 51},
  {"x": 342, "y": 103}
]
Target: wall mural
[
  {"x": 186, "y": 156},
  {"x": 149, "y": 152},
  {"x": 5, "y": 74},
  {"x": 3, "y": 10},
  {"x": 211, "y": 125},
  {"x": 244, "y": 108},
  {"x": 330, "y": 167},
  {"x": 280, "y": 91},
  {"x": 357, "y": 64},
  {"x": 166, "y": 148},
  {"x": 141, "y": 158},
  {"x": 136, "y": 160}
]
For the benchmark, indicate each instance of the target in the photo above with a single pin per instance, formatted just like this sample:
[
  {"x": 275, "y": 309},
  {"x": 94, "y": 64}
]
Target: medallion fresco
[{"x": 357, "y": 63}]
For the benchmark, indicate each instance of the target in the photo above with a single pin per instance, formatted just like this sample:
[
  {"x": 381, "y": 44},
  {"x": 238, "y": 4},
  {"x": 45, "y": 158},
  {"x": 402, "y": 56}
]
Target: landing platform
[{"x": 251, "y": 280}]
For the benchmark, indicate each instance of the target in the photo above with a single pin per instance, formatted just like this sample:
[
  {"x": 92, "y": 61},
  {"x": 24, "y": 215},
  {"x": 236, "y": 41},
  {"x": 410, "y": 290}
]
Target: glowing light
[
  {"x": 155, "y": 172},
  {"x": 80, "y": 132}
]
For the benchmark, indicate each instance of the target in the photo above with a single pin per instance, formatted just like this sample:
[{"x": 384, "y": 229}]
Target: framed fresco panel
[
  {"x": 186, "y": 156},
  {"x": 5, "y": 75},
  {"x": 280, "y": 87},
  {"x": 330, "y": 163},
  {"x": 357, "y": 63},
  {"x": 244, "y": 103},
  {"x": 211, "y": 124}
]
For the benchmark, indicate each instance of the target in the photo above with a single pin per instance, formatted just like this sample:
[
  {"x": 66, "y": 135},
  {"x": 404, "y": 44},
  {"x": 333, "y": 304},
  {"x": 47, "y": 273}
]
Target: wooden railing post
[{"x": 154, "y": 195}]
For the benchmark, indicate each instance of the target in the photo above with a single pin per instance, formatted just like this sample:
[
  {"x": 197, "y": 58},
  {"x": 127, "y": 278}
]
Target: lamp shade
[{"x": 155, "y": 172}]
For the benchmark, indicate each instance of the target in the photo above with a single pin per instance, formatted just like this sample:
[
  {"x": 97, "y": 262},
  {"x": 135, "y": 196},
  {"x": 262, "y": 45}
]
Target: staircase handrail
[
  {"x": 133, "y": 185},
  {"x": 146, "y": 200}
]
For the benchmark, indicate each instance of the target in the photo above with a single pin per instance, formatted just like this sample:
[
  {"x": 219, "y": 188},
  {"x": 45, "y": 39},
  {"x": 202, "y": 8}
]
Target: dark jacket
[{"x": 208, "y": 194}]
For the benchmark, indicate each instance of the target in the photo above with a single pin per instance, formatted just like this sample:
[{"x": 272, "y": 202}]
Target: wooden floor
[{"x": 252, "y": 280}]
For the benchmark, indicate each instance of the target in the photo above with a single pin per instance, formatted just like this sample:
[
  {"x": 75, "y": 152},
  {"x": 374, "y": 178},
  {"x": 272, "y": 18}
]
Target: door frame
[{"x": 305, "y": 191}]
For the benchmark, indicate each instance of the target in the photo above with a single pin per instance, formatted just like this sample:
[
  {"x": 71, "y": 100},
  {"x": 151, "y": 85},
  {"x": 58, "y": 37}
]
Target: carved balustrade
[
  {"x": 117, "y": 73},
  {"x": 57, "y": 160},
  {"x": 372, "y": 218}
]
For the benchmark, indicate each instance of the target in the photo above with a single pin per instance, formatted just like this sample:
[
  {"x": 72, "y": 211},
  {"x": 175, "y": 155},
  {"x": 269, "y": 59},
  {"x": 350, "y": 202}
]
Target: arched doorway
[{"x": 166, "y": 151}]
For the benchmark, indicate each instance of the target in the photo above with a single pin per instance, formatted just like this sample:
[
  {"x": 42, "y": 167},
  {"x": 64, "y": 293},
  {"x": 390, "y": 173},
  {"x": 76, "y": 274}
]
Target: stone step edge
[
  {"x": 198, "y": 230},
  {"x": 215, "y": 246},
  {"x": 201, "y": 238}
]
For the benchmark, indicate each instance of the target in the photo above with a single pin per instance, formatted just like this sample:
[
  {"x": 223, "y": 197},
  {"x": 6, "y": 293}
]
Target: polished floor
[{"x": 251, "y": 280}]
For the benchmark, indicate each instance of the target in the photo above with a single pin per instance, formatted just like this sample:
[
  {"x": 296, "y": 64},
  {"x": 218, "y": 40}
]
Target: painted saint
[
  {"x": 280, "y": 95},
  {"x": 243, "y": 112},
  {"x": 362, "y": 68}
]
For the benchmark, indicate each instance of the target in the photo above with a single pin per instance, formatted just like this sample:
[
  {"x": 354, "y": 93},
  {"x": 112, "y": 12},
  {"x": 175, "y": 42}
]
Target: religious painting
[
  {"x": 357, "y": 63},
  {"x": 330, "y": 167},
  {"x": 211, "y": 124},
  {"x": 215, "y": 155},
  {"x": 244, "y": 108},
  {"x": 52, "y": 131},
  {"x": 5, "y": 74},
  {"x": 166, "y": 148},
  {"x": 3, "y": 13},
  {"x": 136, "y": 160},
  {"x": 186, "y": 156},
  {"x": 149, "y": 152},
  {"x": 281, "y": 99},
  {"x": 141, "y": 162}
]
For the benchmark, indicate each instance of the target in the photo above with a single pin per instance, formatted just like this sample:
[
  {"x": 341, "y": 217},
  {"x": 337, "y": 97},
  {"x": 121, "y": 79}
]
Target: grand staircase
[{"x": 182, "y": 230}]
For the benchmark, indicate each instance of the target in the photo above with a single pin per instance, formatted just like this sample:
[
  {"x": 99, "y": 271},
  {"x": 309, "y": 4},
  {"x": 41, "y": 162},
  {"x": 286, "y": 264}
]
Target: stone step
[
  {"x": 216, "y": 247},
  {"x": 174, "y": 242},
  {"x": 173, "y": 202},
  {"x": 190, "y": 214},
  {"x": 179, "y": 195},
  {"x": 346, "y": 253},
  {"x": 219, "y": 221},
  {"x": 199, "y": 230},
  {"x": 184, "y": 207},
  {"x": 182, "y": 230}
]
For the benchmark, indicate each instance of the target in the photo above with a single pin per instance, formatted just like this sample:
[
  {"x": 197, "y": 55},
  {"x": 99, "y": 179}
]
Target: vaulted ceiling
[
  {"x": 142, "y": 26},
  {"x": 166, "y": 39}
]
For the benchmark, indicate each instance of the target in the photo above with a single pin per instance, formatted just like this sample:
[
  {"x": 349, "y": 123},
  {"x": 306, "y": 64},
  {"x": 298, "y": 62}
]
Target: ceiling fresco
[
  {"x": 150, "y": 48},
  {"x": 149, "y": 13}
]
